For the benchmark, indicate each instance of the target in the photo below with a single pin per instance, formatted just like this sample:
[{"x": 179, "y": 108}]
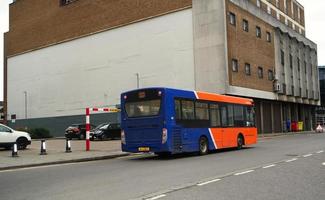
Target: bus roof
[
  {"x": 223, "y": 98},
  {"x": 203, "y": 95}
]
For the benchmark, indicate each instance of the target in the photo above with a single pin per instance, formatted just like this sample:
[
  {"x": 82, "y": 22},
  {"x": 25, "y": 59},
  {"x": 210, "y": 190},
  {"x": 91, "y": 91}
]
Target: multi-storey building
[{"x": 65, "y": 55}]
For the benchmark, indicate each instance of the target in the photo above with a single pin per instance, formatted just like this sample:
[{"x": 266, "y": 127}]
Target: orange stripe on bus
[{"x": 223, "y": 98}]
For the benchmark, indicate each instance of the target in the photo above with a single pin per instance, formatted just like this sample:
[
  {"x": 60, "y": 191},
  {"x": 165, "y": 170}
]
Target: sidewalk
[{"x": 55, "y": 149}]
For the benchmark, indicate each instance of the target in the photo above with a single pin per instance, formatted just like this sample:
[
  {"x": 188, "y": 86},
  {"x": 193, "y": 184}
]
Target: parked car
[
  {"x": 106, "y": 131},
  {"x": 9, "y": 136},
  {"x": 77, "y": 131}
]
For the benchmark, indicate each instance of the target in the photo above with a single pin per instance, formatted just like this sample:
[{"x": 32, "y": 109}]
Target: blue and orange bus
[{"x": 169, "y": 121}]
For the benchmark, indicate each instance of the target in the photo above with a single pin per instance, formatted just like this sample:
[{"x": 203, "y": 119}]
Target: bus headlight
[
  {"x": 123, "y": 137},
  {"x": 164, "y": 135}
]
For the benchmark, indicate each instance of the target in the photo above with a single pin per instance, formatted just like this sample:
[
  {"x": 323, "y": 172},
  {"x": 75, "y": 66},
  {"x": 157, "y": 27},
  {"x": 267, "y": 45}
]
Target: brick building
[{"x": 65, "y": 55}]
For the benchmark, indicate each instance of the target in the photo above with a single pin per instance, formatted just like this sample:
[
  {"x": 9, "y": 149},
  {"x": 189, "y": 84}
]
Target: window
[
  {"x": 66, "y": 2},
  {"x": 4, "y": 129},
  {"x": 143, "y": 108},
  {"x": 270, "y": 75},
  {"x": 277, "y": 3},
  {"x": 230, "y": 109},
  {"x": 234, "y": 64},
  {"x": 250, "y": 116},
  {"x": 305, "y": 64},
  {"x": 232, "y": 18},
  {"x": 282, "y": 57},
  {"x": 298, "y": 60},
  {"x": 178, "y": 114},
  {"x": 223, "y": 114},
  {"x": 268, "y": 36},
  {"x": 187, "y": 110},
  {"x": 245, "y": 25},
  {"x": 258, "y": 3},
  {"x": 215, "y": 115},
  {"x": 201, "y": 111},
  {"x": 239, "y": 116},
  {"x": 269, "y": 11},
  {"x": 291, "y": 61},
  {"x": 247, "y": 69},
  {"x": 260, "y": 72},
  {"x": 285, "y": 6},
  {"x": 258, "y": 32}
]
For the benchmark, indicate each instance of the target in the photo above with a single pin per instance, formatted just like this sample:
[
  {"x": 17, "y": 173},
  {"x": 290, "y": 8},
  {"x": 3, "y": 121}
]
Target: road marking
[
  {"x": 307, "y": 155},
  {"x": 245, "y": 172},
  {"x": 207, "y": 182},
  {"x": 269, "y": 166},
  {"x": 324, "y": 163},
  {"x": 157, "y": 197},
  {"x": 291, "y": 160},
  {"x": 320, "y": 151},
  {"x": 37, "y": 167}
]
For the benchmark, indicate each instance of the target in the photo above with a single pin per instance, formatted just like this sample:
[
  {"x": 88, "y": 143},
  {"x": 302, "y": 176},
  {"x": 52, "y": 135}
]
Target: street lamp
[
  {"x": 138, "y": 80},
  {"x": 25, "y": 93}
]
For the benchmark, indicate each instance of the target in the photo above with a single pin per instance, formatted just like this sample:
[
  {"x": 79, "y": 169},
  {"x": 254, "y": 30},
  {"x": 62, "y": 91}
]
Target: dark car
[
  {"x": 106, "y": 131},
  {"x": 77, "y": 131}
]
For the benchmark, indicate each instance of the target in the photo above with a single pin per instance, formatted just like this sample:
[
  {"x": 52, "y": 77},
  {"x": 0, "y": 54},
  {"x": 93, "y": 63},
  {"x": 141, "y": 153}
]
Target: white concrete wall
[{"x": 63, "y": 79}]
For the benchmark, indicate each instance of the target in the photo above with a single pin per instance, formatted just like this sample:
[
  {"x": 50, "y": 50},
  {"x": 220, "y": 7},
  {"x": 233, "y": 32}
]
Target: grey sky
[{"x": 315, "y": 27}]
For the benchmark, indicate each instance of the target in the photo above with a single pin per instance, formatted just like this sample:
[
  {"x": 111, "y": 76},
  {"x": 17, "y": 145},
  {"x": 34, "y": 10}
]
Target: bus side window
[
  {"x": 250, "y": 116},
  {"x": 178, "y": 114},
  {"x": 223, "y": 114},
  {"x": 215, "y": 115},
  {"x": 239, "y": 120},
  {"x": 201, "y": 111},
  {"x": 230, "y": 108},
  {"x": 187, "y": 110}
]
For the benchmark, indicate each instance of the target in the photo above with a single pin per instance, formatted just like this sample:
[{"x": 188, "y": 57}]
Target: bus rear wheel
[
  {"x": 203, "y": 146},
  {"x": 240, "y": 142}
]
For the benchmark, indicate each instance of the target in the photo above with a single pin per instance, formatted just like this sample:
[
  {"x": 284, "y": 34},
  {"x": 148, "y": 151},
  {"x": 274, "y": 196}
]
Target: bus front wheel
[{"x": 203, "y": 146}]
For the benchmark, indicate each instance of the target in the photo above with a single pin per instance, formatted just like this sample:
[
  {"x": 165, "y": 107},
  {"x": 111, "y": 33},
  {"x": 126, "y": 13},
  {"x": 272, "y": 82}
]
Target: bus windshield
[{"x": 143, "y": 108}]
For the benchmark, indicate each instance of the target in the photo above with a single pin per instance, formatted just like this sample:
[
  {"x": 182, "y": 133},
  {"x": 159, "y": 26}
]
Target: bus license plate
[{"x": 144, "y": 149}]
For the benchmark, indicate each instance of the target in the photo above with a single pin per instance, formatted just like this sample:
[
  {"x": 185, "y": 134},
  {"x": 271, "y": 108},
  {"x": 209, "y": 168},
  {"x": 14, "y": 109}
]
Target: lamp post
[
  {"x": 25, "y": 93},
  {"x": 138, "y": 80}
]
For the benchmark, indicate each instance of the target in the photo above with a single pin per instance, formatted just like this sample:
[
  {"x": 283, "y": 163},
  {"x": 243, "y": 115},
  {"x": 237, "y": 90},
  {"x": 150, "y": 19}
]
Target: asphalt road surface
[{"x": 286, "y": 167}]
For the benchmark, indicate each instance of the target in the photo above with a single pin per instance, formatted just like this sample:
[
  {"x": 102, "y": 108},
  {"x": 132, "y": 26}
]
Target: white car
[{"x": 9, "y": 136}]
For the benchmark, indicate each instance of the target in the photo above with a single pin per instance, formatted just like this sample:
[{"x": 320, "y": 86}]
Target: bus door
[{"x": 225, "y": 131}]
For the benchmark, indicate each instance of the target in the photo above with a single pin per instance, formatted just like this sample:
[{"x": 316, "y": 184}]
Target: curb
[
  {"x": 273, "y": 135},
  {"x": 65, "y": 161}
]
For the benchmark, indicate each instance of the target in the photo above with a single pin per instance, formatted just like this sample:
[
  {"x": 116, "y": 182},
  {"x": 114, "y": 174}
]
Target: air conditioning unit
[{"x": 277, "y": 87}]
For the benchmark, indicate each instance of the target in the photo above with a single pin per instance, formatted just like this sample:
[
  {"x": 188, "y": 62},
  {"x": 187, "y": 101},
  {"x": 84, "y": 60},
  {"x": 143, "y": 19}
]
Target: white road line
[
  {"x": 320, "y": 151},
  {"x": 207, "y": 182},
  {"x": 291, "y": 160},
  {"x": 245, "y": 172},
  {"x": 269, "y": 166},
  {"x": 307, "y": 155},
  {"x": 37, "y": 167},
  {"x": 157, "y": 197}
]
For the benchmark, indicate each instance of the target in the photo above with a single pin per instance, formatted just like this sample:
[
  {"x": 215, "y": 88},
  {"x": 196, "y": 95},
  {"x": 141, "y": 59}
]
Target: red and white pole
[{"x": 87, "y": 129}]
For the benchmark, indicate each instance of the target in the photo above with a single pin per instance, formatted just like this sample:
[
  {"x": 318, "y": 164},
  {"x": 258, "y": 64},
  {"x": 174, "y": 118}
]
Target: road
[{"x": 286, "y": 167}]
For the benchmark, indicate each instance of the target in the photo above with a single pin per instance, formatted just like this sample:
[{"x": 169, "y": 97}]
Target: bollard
[
  {"x": 43, "y": 148},
  {"x": 14, "y": 152},
  {"x": 68, "y": 146}
]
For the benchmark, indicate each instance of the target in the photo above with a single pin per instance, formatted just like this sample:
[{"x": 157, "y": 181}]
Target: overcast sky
[{"x": 315, "y": 26}]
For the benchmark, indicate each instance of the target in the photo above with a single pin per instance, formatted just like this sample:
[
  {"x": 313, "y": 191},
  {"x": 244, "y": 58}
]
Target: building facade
[{"x": 84, "y": 53}]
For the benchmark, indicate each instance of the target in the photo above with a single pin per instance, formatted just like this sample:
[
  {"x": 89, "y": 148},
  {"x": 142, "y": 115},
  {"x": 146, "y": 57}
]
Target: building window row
[
  {"x": 245, "y": 26},
  {"x": 275, "y": 12},
  {"x": 260, "y": 71}
]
